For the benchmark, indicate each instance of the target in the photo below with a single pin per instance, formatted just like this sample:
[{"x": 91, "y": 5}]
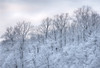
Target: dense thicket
[{"x": 62, "y": 41}]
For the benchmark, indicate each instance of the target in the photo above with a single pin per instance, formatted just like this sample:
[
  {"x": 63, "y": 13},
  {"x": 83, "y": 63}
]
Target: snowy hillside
[{"x": 60, "y": 42}]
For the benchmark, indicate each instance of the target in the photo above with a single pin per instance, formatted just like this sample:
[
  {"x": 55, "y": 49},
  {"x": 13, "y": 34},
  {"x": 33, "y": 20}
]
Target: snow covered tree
[
  {"x": 22, "y": 30},
  {"x": 9, "y": 35},
  {"x": 61, "y": 22},
  {"x": 83, "y": 19},
  {"x": 46, "y": 26}
]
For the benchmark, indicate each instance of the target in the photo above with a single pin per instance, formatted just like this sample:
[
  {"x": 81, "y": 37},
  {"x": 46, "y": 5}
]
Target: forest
[{"x": 60, "y": 41}]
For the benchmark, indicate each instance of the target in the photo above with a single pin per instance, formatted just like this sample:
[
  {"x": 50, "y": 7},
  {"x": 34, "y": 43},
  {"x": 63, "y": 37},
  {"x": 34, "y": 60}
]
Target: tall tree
[
  {"x": 46, "y": 26},
  {"x": 22, "y": 30},
  {"x": 60, "y": 22}
]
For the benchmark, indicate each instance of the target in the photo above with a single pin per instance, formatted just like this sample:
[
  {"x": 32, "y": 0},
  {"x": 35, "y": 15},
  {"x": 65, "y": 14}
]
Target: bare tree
[
  {"x": 83, "y": 19},
  {"x": 22, "y": 30},
  {"x": 95, "y": 23},
  {"x": 9, "y": 35},
  {"x": 46, "y": 26},
  {"x": 86, "y": 19},
  {"x": 60, "y": 23}
]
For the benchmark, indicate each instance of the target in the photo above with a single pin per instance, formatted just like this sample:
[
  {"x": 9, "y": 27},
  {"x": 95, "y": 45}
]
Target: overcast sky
[{"x": 12, "y": 11}]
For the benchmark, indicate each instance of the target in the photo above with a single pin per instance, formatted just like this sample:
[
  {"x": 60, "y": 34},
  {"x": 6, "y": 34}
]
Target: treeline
[{"x": 61, "y": 29}]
